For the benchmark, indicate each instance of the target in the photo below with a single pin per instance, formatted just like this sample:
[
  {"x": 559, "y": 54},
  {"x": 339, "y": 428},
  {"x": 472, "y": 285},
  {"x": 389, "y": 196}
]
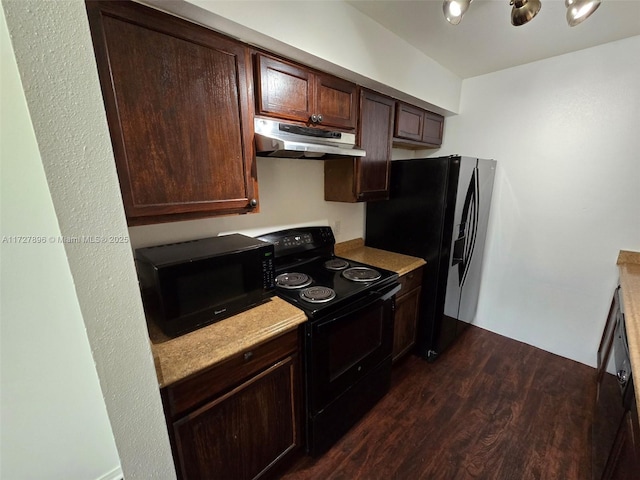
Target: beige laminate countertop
[
  {"x": 396, "y": 262},
  {"x": 629, "y": 266},
  {"x": 178, "y": 358}
]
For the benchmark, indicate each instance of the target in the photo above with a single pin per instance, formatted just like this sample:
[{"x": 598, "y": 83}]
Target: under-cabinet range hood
[{"x": 279, "y": 139}]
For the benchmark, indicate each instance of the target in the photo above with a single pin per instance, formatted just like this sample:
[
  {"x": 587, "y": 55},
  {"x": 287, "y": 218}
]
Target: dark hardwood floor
[{"x": 489, "y": 408}]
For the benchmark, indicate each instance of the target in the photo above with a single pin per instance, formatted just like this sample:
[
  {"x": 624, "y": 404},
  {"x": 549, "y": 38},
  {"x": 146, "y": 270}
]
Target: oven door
[{"x": 343, "y": 348}]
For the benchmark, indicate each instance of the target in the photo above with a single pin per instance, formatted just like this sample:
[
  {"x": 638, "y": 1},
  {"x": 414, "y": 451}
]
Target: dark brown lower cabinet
[
  {"x": 624, "y": 459},
  {"x": 616, "y": 429},
  {"x": 243, "y": 432},
  {"x": 406, "y": 315}
]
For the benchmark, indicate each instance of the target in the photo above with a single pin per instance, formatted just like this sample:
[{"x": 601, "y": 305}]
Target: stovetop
[{"x": 305, "y": 252}]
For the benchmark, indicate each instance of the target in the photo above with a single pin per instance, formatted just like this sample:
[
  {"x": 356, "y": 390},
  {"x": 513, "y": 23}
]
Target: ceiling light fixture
[
  {"x": 454, "y": 10},
  {"x": 579, "y": 10},
  {"x": 524, "y": 10}
]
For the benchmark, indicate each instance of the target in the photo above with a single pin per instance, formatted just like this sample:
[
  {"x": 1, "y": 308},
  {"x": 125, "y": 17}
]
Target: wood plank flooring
[{"x": 489, "y": 408}]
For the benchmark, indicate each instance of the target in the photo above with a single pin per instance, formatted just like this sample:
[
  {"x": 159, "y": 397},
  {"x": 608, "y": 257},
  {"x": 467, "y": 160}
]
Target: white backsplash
[{"x": 291, "y": 194}]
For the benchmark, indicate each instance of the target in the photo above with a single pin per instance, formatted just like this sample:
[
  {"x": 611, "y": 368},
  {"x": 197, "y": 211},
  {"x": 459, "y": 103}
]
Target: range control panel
[
  {"x": 288, "y": 242},
  {"x": 297, "y": 240}
]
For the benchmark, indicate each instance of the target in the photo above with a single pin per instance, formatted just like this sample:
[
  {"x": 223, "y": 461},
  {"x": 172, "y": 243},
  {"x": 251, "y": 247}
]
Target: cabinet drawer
[
  {"x": 411, "y": 280},
  {"x": 200, "y": 388}
]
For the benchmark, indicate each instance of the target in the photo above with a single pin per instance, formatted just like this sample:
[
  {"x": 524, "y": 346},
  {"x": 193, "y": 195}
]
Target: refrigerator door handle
[
  {"x": 469, "y": 215},
  {"x": 458, "y": 250}
]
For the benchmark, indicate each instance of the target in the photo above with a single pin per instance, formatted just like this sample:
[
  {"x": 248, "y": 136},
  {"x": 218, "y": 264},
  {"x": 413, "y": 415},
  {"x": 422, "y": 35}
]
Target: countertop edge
[
  {"x": 627, "y": 256},
  {"x": 396, "y": 262},
  {"x": 179, "y": 358}
]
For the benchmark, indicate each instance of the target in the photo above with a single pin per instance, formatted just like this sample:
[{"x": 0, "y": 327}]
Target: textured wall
[
  {"x": 55, "y": 58},
  {"x": 567, "y": 195},
  {"x": 51, "y": 399}
]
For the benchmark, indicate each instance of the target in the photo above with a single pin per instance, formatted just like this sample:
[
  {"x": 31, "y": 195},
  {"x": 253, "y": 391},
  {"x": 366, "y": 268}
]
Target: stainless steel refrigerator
[{"x": 438, "y": 209}]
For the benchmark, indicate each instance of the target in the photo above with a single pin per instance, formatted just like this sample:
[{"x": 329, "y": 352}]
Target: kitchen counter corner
[
  {"x": 178, "y": 358},
  {"x": 396, "y": 262}
]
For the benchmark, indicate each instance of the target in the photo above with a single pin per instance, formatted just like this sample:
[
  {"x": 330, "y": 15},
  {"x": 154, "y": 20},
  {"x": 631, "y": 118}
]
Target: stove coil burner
[
  {"x": 336, "y": 264},
  {"x": 317, "y": 294},
  {"x": 293, "y": 280},
  {"x": 361, "y": 274}
]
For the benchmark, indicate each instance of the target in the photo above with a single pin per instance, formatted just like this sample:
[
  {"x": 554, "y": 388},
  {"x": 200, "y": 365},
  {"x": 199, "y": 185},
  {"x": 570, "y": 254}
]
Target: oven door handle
[
  {"x": 371, "y": 299},
  {"x": 386, "y": 295}
]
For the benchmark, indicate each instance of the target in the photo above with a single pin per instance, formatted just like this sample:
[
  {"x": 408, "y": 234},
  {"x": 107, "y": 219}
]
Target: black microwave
[{"x": 188, "y": 285}]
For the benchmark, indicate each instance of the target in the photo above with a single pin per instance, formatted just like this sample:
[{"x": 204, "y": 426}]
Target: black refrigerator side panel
[{"x": 412, "y": 222}]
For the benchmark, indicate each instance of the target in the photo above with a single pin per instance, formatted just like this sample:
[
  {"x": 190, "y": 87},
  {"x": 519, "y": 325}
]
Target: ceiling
[{"x": 485, "y": 41}]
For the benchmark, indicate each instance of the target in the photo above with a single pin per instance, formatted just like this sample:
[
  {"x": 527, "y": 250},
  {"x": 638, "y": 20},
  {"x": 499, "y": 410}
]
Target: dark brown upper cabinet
[
  {"x": 293, "y": 92},
  {"x": 365, "y": 178},
  {"x": 417, "y": 128},
  {"x": 179, "y": 106}
]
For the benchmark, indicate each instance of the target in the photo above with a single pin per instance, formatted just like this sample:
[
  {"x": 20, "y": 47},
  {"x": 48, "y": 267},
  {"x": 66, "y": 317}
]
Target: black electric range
[
  {"x": 348, "y": 338},
  {"x": 309, "y": 275}
]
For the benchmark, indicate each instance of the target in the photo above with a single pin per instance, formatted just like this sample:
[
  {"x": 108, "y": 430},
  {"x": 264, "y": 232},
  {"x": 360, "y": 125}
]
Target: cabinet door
[
  {"x": 243, "y": 433},
  {"x": 409, "y": 122},
  {"x": 406, "y": 317},
  {"x": 284, "y": 90},
  {"x": 179, "y": 113},
  {"x": 337, "y": 102},
  {"x": 433, "y": 125},
  {"x": 365, "y": 178},
  {"x": 606, "y": 342},
  {"x": 376, "y": 132},
  {"x": 404, "y": 333},
  {"x": 624, "y": 461},
  {"x": 421, "y": 128}
]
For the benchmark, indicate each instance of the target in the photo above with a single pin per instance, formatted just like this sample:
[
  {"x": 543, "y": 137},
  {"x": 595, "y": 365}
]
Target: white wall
[
  {"x": 54, "y": 54},
  {"x": 567, "y": 195},
  {"x": 54, "y": 420},
  {"x": 291, "y": 192}
]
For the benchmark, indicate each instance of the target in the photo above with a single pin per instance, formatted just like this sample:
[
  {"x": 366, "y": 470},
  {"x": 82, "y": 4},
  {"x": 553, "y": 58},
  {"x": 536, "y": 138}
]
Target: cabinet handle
[
  {"x": 248, "y": 356},
  {"x": 319, "y": 118},
  {"x": 314, "y": 118},
  {"x": 622, "y": 377},
  {"x": 253, "y": 203}
]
